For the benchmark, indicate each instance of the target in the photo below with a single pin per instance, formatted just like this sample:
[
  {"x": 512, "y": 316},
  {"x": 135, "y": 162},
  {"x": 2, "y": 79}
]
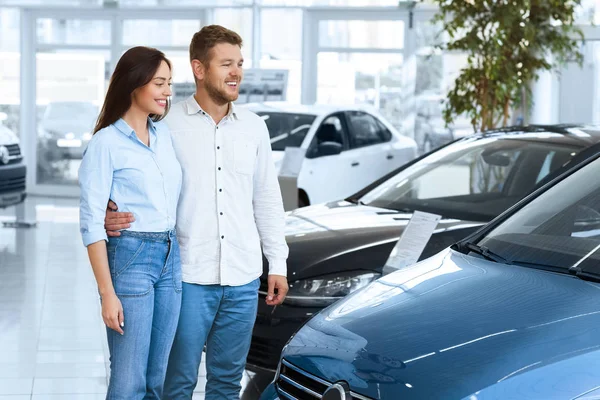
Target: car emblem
[
  {"x": 337, "y": 391},
  {"x": 4, "y": 155}
]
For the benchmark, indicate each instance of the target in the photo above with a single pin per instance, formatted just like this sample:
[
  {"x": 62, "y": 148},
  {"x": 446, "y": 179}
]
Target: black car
[{"x": 339, "y": 247}]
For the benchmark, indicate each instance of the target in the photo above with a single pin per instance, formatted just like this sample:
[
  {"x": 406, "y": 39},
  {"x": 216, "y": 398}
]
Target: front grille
[
  {"x": 13, "y": 150},
  {"x": 295, "y": 384},
  {"x": 264, "y": 353},
  {"x": 12, "y": 185}
]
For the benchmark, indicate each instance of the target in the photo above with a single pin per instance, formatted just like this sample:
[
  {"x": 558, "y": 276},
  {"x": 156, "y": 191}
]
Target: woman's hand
[{"x": 112, "y": 312}]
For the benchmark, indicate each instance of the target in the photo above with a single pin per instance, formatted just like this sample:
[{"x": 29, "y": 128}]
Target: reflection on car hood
[
  {"x": 456, "y": 326},
  {"x": 7, "y": 136},
  {"x": 342, "y": 236}
]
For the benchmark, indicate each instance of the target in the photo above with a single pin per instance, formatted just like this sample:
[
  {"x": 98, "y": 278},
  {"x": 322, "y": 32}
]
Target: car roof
[
  {"x": 578, "y": 135},
  {"x": 313, "y": 109}
]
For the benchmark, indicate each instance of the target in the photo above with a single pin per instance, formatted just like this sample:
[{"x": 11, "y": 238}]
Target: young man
[{"x": 230, "y": 204}]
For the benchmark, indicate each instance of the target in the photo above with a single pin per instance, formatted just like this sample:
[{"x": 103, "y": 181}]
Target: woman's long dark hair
[{"x": 135, "y": 69}]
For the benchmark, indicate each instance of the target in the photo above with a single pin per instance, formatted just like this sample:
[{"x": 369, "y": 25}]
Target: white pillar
[{"x": 545, "y": 93}]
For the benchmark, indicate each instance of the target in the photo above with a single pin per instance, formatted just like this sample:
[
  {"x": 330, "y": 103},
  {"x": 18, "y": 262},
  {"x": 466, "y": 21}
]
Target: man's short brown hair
[{"x": 207, "y": 38}]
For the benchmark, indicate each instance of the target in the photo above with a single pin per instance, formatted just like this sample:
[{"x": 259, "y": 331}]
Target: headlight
[{"x": 326, "y": 290}]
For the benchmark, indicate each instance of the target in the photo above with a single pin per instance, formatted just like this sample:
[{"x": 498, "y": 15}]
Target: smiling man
[{"x": 230, "y": 205}]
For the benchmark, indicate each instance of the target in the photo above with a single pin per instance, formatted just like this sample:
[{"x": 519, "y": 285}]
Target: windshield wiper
[
  {"x": 485, "y": 253},
  {"x": 586, "y": 275},
  {"x": 354, "y": 200}
]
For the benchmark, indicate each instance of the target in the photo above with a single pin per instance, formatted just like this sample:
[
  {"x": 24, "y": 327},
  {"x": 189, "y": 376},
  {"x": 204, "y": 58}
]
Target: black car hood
[
  {"x": 456, "y": 326},
  {"x": 343, "y": 236}
]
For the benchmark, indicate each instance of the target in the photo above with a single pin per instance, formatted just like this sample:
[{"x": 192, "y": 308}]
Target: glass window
[
  {"x": 365, "y": 130},
  {"x": 158, "y": 32},
  {"x": 476, "y": 179},
  {"x": 287, "y": 129},
  {"x": 70, "y": 89},
  {"x": 10, "y": 74},
  {"x": 283, "y": 51},
  {"x": 239, "y": 21},
  {"x": 332, "y": 130},
  {"x": 73, "y": 31},
  {"x": 343, "y": 3},
  {"x": 10, "y": 69},
  {"x": 358, "y": 78},
  {"x": 10, "y": 22},
  {"x": 559, "y": 229},
  {"x": 588, "y": 12},
  {"x": 175, "y": 3},
  {"x": 362, "y": 34}
]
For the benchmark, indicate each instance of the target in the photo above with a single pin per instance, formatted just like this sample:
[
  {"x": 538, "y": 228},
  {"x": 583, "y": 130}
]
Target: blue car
[{"x": 511, "y": 312}]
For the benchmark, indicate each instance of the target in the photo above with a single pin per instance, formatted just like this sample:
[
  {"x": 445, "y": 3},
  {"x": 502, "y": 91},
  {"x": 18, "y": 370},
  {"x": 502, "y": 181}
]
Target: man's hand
[
  {"x": 277, "y": 283},
  {"x": 115, "y": 221}
]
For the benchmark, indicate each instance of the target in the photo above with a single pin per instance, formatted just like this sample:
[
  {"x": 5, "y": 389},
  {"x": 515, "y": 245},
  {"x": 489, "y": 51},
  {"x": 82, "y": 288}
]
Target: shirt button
[
  {"x": 220, "y": 190},
  {"x": 221, "y": 213},
  {"x": 218, "y": 147},
  {"x": 219, "y": 168},
  {"x": 222, "y": 237}
]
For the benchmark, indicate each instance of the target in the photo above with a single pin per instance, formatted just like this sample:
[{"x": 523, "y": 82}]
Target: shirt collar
[
  {"x": 124, "y": 127},
  {"x": 194, "y": 108}
]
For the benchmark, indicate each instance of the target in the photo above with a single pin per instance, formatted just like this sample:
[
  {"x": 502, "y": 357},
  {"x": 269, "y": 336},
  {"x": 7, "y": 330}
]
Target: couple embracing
[{"x": 193, "y": 198}]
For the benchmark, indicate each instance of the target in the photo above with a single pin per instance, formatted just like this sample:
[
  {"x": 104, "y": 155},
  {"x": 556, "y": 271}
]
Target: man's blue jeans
[
  {"x": 222, "y": 317},
  {"x": 146, "y": 274}
]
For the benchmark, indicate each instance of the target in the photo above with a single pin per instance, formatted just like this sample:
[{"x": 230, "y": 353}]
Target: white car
[
  {"x": 13, "y": 172},
  {"x": 347, "y": 147}
]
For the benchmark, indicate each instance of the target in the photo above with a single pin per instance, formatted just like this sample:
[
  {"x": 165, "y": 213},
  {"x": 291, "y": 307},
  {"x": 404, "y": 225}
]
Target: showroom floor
[{"x": 52, "y": 340}]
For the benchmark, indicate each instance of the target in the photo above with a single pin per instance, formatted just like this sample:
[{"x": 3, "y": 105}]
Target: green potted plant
[{"x": 508, "y": 43}]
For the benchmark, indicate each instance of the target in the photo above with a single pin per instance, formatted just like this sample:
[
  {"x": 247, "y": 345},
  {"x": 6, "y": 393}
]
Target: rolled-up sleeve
[
  {"x": 95, "y": 181},
  {"x": 268, "y": 208}
]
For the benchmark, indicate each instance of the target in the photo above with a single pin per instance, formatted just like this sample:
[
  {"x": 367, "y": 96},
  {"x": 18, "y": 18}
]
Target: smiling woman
[{"x": 131, "y": 160}]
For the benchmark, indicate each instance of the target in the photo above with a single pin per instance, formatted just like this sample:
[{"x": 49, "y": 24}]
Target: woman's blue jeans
[{"x": 146, "y": 272}]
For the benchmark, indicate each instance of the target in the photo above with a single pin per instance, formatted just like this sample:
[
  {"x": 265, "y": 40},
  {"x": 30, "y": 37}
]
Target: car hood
[
  {"x": 456, "y": 326},
  {"x": 7, "y": 136},
  {"x": 340, "y": 236}
]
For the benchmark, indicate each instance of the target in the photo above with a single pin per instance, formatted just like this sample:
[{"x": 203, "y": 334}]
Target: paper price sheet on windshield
[
  {"x": 292, "y": 162},
  {"x": 412, "y": 242}
]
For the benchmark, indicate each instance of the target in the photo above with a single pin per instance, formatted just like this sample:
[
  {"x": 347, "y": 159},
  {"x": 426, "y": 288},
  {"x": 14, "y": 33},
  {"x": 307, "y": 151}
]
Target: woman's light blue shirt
[{"x": 143, "y": 180}]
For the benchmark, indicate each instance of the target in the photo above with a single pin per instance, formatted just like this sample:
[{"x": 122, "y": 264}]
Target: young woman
[{"x": 131, "y": 161}]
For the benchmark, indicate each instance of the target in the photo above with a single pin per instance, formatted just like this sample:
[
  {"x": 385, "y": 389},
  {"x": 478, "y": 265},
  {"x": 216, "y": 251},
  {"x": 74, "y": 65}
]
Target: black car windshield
[
  {"x": 287, "y": 129},
  {"x": 560, "y": 229},
  {"x": 474, "y": 180}
]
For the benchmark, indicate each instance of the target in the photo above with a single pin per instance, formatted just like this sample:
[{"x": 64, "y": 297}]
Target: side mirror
[{"x": 329, "y": 149}]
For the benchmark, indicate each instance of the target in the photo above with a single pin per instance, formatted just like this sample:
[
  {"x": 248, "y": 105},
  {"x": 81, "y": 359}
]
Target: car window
[
  {"x": 332, "y": 129},
  {"x": 287, "y": 129},
  {"x": 558, "y": 229},
  {"x": 476, "y": 179},
  {"x": 366, "y": 130}
]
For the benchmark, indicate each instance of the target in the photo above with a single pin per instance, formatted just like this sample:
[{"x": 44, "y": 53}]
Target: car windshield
[
  {"x": 476, "y": 179},
  {"x": 287, "y": 129},
  {"x": 560, "y": 229}
]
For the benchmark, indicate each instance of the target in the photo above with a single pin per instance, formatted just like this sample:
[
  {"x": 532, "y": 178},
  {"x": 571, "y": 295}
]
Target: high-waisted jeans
[{"x": 146, "y": 273}]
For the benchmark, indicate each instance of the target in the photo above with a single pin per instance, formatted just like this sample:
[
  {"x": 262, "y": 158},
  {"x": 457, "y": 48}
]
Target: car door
[
  {"x": 327, "y": 177},
  {"x": 370, "y": 148}
]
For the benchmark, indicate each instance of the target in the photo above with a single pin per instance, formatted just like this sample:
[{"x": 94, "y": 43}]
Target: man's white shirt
[{"x": 230, "y": 200}]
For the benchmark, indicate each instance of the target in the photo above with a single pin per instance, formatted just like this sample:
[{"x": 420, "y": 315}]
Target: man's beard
[{"x": 219, "y": 96}]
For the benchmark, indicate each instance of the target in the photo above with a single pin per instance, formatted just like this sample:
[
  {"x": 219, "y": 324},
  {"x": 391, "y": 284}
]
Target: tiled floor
[{"x": 52, "y": 340}]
